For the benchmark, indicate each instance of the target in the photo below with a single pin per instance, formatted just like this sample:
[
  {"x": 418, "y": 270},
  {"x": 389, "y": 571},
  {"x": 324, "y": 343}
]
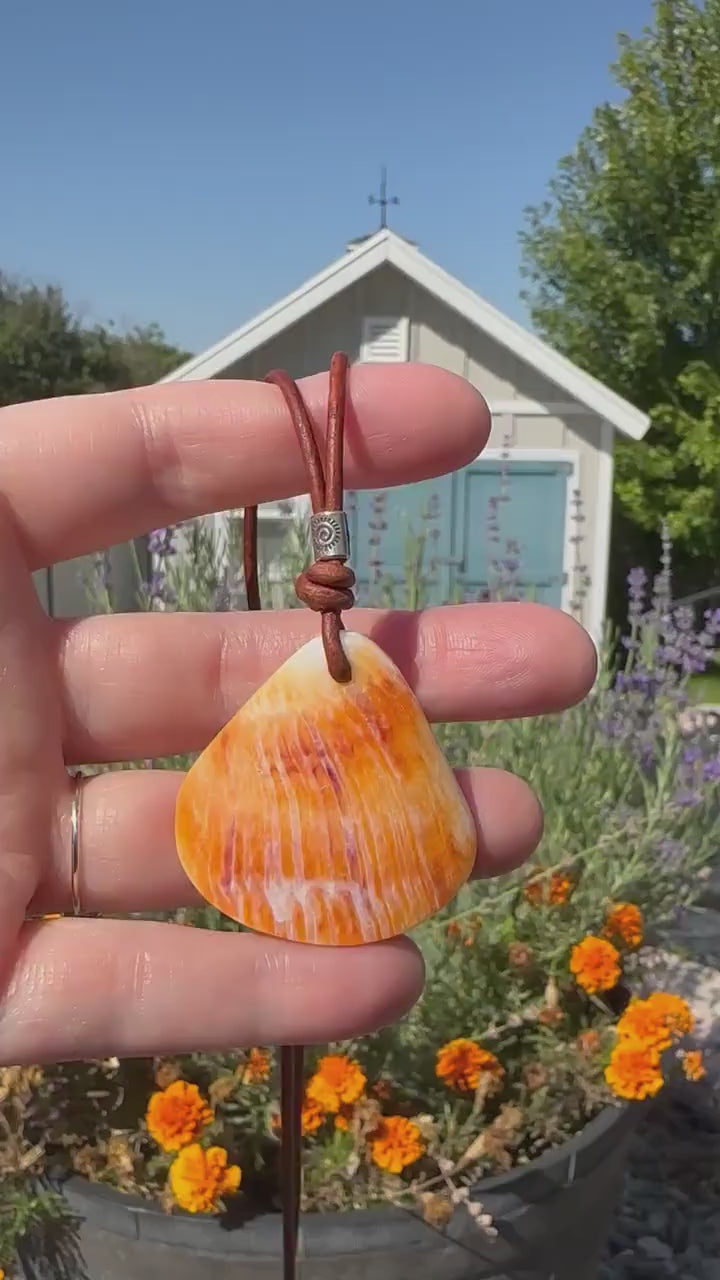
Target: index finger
[{"x": 87, "y": 472}]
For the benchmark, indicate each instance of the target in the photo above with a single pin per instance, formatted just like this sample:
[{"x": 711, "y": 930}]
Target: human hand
[{"x": 82, "y": 473}]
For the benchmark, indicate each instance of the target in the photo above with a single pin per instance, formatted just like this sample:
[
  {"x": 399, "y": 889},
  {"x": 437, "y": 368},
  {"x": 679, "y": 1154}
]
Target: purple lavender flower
[
  {"x": 492, "y": 523},
  {"x": 102, "y": 570},
  {"x": 161, "y": 542},
  {"x": 711, "y": 770},
  {"x": 688, "y": 799},
  {"x": 637, "y": 587},
  {"x": 671, "y": 852}
]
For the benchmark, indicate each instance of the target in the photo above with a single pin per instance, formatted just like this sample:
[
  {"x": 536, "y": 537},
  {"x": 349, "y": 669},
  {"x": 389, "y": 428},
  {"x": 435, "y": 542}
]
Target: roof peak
[
  {"x": 386, "y": 246},
  {"x": 385, "y": 233}
]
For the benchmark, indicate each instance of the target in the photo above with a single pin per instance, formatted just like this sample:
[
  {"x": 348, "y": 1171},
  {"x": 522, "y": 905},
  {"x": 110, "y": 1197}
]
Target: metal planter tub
[{"x": 551, "y": 1217}]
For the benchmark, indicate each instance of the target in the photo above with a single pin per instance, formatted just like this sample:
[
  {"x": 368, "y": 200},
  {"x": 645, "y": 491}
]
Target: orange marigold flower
[
  {"x": 535, "y": 1076},
  {"x": 461, "y": 1063},
  {"x": 657, "y": 1021},
  {"x": 520, "y": 956},
  {"x": 560, "y": 889},
  {"x": 589, "y": 1043},
  {"x": 624, "y": 924},
  {"x": 551, "y": 1017},
  {"x": 645, "y": 1025},
  {"x": 464, "y": 931},
  {"x": 176, "y": 1116},
  {"x": 675, "y": 1010},
  {"x": 312, "y": 1116},
  {"x": 343, "y": 1119},
  {"x": 595, "y": 965},
  {"x": 534, "y": 892},
  {"x": 337, "y": 1080},
  {"x": 199, "y": 1178},
  {"x": 693, "y": 1065},
  {"x": 381, "y": 1090},
  {"x": 396, "y": 1143},
  {"x": 257, "y": 1066},
  {"x": 634, "y": 1071}
]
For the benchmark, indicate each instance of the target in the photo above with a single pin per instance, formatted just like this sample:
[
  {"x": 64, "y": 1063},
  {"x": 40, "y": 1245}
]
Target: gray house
[{"x": 540, "y": 495}]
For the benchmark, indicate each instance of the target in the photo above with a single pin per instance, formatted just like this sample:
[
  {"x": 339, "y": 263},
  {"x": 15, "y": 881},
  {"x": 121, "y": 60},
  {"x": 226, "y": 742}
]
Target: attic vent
[{"x": 385, "y": 339}]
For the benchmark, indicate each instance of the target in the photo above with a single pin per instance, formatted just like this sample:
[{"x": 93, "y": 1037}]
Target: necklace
[{"x": 324, "y": 812}]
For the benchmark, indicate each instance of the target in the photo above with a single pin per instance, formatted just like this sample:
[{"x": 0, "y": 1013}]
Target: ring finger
[{"x": 128, "y": 860}]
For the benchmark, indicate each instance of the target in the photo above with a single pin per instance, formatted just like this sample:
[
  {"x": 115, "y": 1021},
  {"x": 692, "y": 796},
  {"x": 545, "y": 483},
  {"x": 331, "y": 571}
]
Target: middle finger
[
  {"x": 128, "y": 860},
  {"x": 139, "y": 686}
]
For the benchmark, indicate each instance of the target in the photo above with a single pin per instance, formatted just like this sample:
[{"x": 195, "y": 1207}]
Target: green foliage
[
  {"x": 624, "y": 267},
  {"x": 29, "y": 1211},
  {"x": 46, "y": 351}
]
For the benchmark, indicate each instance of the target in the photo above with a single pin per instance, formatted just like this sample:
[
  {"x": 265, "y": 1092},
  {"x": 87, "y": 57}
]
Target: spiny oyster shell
[{"x": 326, "y": 812}]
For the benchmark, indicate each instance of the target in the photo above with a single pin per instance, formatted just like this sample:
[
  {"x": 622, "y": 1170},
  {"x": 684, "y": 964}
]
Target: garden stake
[{"x": 324, "y": 811}]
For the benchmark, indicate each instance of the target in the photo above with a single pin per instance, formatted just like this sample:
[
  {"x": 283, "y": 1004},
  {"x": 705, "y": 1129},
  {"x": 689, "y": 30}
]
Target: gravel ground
[{"x": 668, "y": 1224}]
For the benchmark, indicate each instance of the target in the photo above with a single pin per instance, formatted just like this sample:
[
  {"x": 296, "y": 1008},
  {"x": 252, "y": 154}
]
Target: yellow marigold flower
[
  {"x": 396, "y": 1143},
  {"x": 634, "y": 1071},
  {"x": 693, "y": 1065},
  {"x": 257, "y": 1066},
  {"x": 657, "y": 1021},
  {"x": 337, "y": 1080},
  {"x": 312, "y": 1116},
  {"x": 461, "y": 1063},
  {"x": 595, "y": 965},
  {"x": 560, "y": 888},
  {"x": 624, "y": 924},
  {"x": 200, "y": 1178},
  {"x": 177, "y": 1115}
]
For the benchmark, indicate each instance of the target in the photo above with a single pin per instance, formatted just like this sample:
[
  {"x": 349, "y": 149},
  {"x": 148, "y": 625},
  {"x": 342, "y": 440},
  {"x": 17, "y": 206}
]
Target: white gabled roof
[{"x": 386, "y": 247}]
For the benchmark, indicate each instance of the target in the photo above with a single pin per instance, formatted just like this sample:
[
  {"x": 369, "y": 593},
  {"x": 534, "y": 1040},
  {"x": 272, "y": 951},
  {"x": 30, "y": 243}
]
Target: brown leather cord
[{"x": 326, "y": 587}]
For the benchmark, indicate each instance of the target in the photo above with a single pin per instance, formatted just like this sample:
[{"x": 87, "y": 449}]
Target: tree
[
  {"x": 623, "y": 261},
  {"x": 42, "y": 348},
  {"x": 46, "y": 351}
]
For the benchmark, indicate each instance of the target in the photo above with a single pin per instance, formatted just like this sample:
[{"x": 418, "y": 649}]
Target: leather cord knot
[{"x": 326, "y": 585}]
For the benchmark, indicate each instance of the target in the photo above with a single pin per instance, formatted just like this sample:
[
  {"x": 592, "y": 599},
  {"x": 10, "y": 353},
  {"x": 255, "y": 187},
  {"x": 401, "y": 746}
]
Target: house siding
[
  {"x": 62, "y": 588},
  {"x": 442, "y": 337}
]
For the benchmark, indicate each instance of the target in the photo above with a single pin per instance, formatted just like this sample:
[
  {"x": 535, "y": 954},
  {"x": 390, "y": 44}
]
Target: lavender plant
[
  {"x": 515, "y": 1043},
  {"x": 628, "y": 780}
]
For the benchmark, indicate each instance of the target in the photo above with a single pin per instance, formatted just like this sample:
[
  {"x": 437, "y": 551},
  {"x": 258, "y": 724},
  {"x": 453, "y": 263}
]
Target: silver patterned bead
[{"x": 330, "y": 535}]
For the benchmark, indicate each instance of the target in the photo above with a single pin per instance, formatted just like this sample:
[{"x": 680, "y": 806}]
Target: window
[{"x": 385, "y": 339}]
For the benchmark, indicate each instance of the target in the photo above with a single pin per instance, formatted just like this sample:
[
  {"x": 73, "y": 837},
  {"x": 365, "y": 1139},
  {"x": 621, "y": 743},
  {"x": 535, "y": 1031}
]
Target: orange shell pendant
[{"x": 325, "y": 812}]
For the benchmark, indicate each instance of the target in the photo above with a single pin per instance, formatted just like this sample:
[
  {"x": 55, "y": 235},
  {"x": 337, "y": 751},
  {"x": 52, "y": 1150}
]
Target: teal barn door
[{"x": 493, "y": 527}]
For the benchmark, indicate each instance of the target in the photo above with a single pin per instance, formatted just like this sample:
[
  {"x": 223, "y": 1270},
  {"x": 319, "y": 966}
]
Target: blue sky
[{"x": 191, "y": 161}]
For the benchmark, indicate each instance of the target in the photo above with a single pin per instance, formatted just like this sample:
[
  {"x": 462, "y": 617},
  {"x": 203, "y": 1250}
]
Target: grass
[{"x": 706, "y": 688}]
